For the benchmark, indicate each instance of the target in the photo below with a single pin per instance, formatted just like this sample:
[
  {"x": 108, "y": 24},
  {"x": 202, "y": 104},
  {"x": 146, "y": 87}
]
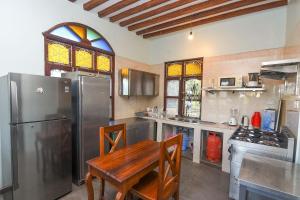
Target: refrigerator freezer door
[
  {"x": 42, "y": 167},
  {"x": 38, "y": 98},
  {"x": 94, "y": 108}
]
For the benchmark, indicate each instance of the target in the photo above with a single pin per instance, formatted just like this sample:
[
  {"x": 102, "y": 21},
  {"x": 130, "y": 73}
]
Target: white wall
[
  {"x": 293, "y": 23},
  {"x": 22, "y": 24},
  {"x": 252, "y": 32}
]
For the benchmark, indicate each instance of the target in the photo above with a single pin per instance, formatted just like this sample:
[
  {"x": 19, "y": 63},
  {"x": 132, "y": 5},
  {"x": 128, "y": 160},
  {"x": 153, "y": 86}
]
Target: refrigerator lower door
[
  {"x": 42, "y": 160},
  {"x": 94, "y": 108}
]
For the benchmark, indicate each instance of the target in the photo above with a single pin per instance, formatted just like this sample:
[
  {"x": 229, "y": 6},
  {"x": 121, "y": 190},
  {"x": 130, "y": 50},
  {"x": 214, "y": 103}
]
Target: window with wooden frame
[
  {"x": 183, "y": 85},
  {"x": 76, "y": 47}
]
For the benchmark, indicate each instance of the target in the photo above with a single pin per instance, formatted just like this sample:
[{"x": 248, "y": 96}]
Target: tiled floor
[{"x": 197, "y": 182}]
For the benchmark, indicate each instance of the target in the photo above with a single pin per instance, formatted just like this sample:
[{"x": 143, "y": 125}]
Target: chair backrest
[
  {"x": 105, "y": 134},
  {"x": 169, "y": 165}
]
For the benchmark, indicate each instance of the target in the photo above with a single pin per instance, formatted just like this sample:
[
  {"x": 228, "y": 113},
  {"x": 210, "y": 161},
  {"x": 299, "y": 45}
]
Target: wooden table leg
[
  {"x": 120, "y": 195},
  {"x": 89, "y": 186}
]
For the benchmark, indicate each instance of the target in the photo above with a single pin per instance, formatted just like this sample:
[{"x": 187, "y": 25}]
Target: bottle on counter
[{"x": 256, "y": 120}]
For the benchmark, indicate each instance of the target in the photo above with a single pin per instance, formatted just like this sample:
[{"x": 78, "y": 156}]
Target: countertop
[
  {"x": 203, "y": 124},
  {"x": 129, "y": 121},
  {"x": 270, "y": 175}
]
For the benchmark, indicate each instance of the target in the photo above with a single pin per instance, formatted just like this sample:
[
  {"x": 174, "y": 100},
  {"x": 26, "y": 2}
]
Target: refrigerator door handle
[
  {"x": 14, "y": 102},
  {"x": 15, "y": 164}
]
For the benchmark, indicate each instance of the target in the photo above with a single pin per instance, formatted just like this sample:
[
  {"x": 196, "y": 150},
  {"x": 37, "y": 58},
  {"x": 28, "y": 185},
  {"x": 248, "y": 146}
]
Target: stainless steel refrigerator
[
  {"x": 35, "y": 126},
  {"x": 90, "y": 101}
]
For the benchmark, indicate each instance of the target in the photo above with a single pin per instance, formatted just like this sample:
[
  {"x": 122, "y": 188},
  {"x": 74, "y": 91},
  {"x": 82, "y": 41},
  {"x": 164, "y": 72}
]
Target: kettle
[{"x": 245, "y": 121}]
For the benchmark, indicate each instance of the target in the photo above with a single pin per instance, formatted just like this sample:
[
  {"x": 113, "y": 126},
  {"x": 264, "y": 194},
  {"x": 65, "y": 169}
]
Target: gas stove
[
  {"x": 269, "y": 138},
  {"x": 272, "y": 144}
]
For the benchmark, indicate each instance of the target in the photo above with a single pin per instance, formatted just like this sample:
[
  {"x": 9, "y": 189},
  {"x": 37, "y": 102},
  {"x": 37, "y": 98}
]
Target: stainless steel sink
[
  {"x": 206, "y": 122},
  {"x": 190, "y": 120}
]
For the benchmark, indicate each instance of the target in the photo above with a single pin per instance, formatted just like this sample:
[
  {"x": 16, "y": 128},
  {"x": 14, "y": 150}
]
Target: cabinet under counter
[
  {"x": 137, "y": 129},
  {"x": 198, "y": 128}
]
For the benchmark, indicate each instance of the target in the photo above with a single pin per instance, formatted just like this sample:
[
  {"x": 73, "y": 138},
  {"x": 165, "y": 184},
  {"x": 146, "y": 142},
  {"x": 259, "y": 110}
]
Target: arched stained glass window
[
  {"x": 77, "y": 47},
  {"x": 79, "y": 33}
]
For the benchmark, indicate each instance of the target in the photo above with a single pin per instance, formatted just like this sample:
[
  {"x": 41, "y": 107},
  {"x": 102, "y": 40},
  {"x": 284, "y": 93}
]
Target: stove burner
[
  {"x": 241, "y": 133},
  {"x": 269, "y": 138},
  {"x": 245, "y": 139}
]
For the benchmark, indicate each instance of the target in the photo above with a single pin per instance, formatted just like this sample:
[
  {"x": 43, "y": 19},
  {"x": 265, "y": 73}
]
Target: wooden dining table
[{"x": 124, "y": 167}]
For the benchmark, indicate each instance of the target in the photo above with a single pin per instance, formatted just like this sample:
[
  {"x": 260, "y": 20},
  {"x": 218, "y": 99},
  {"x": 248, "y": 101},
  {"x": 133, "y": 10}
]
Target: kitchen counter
[
  {"x": 137, "y": 129},
  {"x": 128, "y": 121},
  {"x": 226, "y": 131},
  {"x": 278, "y": 178},
  {"x": 213, "y": 125}
]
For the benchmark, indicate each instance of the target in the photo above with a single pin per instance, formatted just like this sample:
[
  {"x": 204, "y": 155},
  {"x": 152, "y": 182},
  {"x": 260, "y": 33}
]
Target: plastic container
[{"x": 185, "y": 142}]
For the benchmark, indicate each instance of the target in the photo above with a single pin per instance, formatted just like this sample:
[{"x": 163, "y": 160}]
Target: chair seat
[{"x": 148, "y": 185}]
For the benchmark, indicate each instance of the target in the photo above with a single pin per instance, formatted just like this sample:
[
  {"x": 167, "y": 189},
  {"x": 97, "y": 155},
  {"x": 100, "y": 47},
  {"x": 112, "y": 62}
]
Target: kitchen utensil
[
  {"x": 245, "y": 121},
  {"x": 253, "y": 79},
  {"x": 232, "y": 121},
  {"x": 256, "y": 120},
  {"x": 250, "y": 127},
  {"x": 233, "y": 117}
]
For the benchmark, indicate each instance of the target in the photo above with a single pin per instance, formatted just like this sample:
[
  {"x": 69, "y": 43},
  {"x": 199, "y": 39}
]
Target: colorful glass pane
[
  {"x": 84, "y": 58},
  {"x": 65, "y": 32},
  {"x": 193, "y": 69},
  {"x": 103, "y": 63},
  {"x": 101, "y": 44},
  {"x": 80, "y": 31},
  {"x": 92, "y": 35},
  {"x": 175, "y": 69},
  {"x": 58, "y": 53},
  {"x": 125, "y": 72}
]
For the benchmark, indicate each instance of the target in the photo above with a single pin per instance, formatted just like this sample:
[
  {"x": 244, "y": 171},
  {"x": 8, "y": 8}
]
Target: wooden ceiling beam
[
  {"x": 137, "y": 9},
  {"x": 155, "y": 12},
  {"x": 93, "y": 4},
  {"x": 203, "y": 14},
  {"x": 240, "y": 12},
  {"x": 177, "y": 13},
  {"x": 115, "y": 7}
]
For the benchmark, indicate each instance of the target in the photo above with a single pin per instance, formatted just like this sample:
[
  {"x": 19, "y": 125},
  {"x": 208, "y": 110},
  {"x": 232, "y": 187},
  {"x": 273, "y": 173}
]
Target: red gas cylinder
[{"x": 214, "y": 148}]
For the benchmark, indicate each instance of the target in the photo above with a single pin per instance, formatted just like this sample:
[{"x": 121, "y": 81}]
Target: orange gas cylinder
[{"x": 214, "y": 148}]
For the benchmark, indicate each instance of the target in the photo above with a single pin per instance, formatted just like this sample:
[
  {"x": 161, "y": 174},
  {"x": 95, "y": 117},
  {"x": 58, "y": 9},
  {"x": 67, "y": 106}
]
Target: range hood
[
  {"x": 280, "y": 69},
  {"x": 138, "y": 83}
]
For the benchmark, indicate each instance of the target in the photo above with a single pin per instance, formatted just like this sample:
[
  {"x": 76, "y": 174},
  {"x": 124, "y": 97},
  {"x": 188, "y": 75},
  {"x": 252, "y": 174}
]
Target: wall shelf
[{"x": 243, "y": 89}]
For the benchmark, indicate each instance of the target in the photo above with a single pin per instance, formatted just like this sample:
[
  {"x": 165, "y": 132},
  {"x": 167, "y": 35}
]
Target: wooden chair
[
  {"x": 163, "y": 184},
  {"x": 105, "y": 132}
]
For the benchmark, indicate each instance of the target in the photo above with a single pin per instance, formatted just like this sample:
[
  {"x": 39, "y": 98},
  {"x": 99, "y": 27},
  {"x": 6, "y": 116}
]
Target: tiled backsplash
[{"x": 216, "y": 107}]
